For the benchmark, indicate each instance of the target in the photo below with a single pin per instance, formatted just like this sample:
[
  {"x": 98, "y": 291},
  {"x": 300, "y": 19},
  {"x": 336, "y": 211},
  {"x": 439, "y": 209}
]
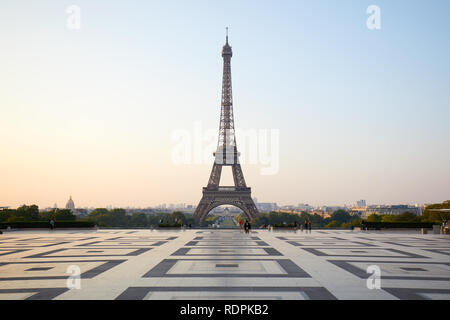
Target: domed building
[{"x": 70, "y": 204}]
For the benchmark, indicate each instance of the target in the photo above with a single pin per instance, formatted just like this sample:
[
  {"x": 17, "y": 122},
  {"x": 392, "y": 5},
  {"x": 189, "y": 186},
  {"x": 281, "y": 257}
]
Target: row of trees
[
  {"x": 101, "y": 217},
  {"x": 118, "y": 218},
  {"x": 339, "y": 218},
  {"x": 343, "y": 219},
  {"x": 404, "y": 217},
  {"x": 433, "y": 213},
  {"x": 32, "y": 213}
]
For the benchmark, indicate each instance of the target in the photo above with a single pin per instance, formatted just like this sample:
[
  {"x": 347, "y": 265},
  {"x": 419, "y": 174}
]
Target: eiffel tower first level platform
[{"x": 215, "y": 195}]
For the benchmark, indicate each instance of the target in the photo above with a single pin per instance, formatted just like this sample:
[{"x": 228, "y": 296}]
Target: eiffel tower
[{"x": 226, "y": 154}]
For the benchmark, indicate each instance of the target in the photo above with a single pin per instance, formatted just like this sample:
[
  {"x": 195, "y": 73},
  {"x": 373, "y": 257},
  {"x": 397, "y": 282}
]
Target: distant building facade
[
  {"x": 305, "y": 207},
  {"x": 366, "y": 211},
  {"x": 361, "y": 203},
  {"x": 70, "y": 204},
  {"x": 266, "y": 206}
]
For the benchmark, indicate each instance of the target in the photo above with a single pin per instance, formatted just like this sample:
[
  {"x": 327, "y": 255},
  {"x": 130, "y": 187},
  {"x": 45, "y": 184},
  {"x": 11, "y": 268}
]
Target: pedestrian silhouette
[{"x": 247, "y": 226}]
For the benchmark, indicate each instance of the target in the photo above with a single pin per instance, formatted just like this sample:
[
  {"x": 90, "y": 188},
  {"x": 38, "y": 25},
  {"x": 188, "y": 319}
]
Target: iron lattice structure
[{"x": 226, "y": 154}]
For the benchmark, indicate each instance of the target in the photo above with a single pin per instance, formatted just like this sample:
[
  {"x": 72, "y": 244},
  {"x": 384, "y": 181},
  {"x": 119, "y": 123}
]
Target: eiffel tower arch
[{"x": 215, "y": 195}]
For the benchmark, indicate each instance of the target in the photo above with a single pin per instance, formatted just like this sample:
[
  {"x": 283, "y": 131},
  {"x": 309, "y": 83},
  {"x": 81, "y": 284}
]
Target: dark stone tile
[
  {"x": 413, "y": 269},
  {"x": 40, "y": 269},
  {"x": 227, "y": 265}
]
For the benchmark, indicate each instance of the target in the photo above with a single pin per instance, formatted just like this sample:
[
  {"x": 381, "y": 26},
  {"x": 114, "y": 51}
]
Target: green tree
[
  {"x": 158, "y": 218},
  {"x": 434, "y": 212},
  {"x": 278, "y": 218},
  {"x": 374, "y": 218},
  {"x": 6, "y": 214},
  {"x": 346, "y": 225},
  {"x": 388, "y": 218},
  {"x": 100, "y": 217},
  {"x": 98, "y": 212},
  {"x": 333, "y": 224},
  {"x": 119, "y": 218},
  {"x": 357, "y": 222},
  {"x": 46, "y": 215},
  {"x": 263, "y": 218},
  {"x": 138, "y": 219},
  {"x": 210, "y": 219},
  {"x": 189, "y": 219},
  {"x": 317, "y": 221},
  {"x": 177, "y": 217},
  {"x": 109, "y": 218},
  {"x": 341, "y": 216},
  {"x": 27, "y": 213},
  {"x": 64, "y": 215},
  {"x": 407, "y": 217}
]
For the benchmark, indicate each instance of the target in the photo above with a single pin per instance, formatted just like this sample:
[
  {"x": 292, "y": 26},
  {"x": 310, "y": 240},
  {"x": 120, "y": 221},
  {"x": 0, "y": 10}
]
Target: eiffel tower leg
[
  {"x": 202, "y": 210},
  {"x": 249, "y": 208}
]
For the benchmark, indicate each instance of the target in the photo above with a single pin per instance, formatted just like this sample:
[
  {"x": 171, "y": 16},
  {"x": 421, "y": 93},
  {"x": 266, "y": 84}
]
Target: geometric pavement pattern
[{"x": 191, "y": 264}]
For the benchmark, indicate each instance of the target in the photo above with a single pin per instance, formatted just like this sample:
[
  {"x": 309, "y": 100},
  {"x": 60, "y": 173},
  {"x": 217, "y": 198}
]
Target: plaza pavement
[{"x": 222, "y": 264}]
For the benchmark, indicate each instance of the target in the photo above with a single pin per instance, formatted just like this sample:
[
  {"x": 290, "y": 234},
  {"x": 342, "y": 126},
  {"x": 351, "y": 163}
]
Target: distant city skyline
[
  {"x": 70, "y": 204},
  {"x": 91, "y": 112}
]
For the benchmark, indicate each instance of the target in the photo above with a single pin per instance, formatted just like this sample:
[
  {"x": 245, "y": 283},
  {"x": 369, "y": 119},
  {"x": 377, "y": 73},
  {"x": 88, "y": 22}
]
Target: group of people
[
  {"x": 306, "y": 226},
  {"x": 247, "y": 226}
]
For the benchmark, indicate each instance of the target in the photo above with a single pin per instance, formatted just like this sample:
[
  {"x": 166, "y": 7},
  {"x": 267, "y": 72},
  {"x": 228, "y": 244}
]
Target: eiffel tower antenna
[{"x": 226, "y": 154}]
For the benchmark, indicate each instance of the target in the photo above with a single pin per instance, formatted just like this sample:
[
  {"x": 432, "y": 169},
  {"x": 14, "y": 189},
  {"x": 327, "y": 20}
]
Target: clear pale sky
[{"x": 362, "y": 114}]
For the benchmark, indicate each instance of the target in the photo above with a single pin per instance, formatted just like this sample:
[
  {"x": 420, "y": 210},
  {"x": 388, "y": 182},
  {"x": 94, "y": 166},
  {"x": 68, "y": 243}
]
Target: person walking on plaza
[
  {"x": 240, "y": 224},
  {"x": 295, "y": 226},
  {"x": 52, "y": 224},
  {"x": 309, "y": 226},
  {"x": 247, "y": 226},
  {"x": 306, "y": 226}
]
